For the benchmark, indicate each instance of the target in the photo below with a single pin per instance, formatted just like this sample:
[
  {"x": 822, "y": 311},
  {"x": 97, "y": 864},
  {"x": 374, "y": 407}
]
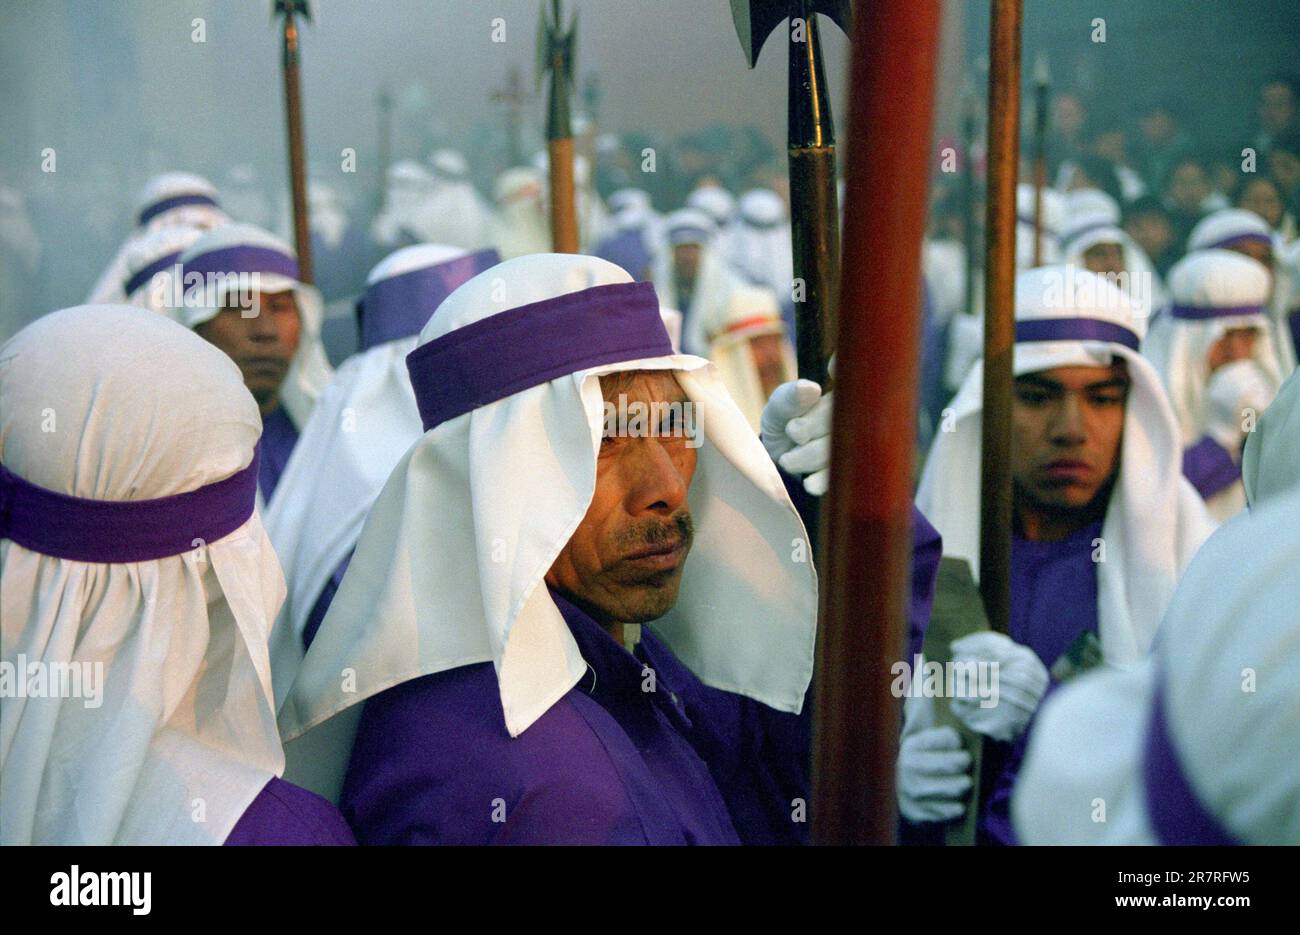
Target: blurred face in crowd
[
  {"x": 1236, "y": 344},
  {"x": 1259, "y": 252},
  {"x": 1188, "y": 187},
  {"x": 1068, "y": 116},
  {"x": 1110, "y": 146},
  {"x": 1277, "y": 106},
  {"x": 1261, "y": 196},
  {"x": 1104, "y": 258},
  {"x": 686, "y": 261},
  {"x": 1151, "y": 230},
  {"x": 1158, "y": 127},
  {"x": 1066, "y": 425},
  {"x": 624, "y": 562},
  {"x": 261, "y": 341},
  {"x": 769, "y": 361},
  {"x": 1284, "y": 166}
]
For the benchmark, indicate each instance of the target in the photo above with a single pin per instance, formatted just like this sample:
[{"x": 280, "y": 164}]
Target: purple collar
[
  {"x": 523, "y": 347},
  {"x": 1075, "y": 329},
  {"x": 158, "y": 207},
  {"x": 121, "y": 531},
  {"x": 398, "y": 307},
  {"x": 1173, "y": 808},
  {"x": 1202, "y": 312}
]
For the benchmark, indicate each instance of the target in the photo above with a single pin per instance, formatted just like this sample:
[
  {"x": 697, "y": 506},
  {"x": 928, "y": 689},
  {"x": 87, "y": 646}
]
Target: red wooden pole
[{"x": 867, "y": 557}]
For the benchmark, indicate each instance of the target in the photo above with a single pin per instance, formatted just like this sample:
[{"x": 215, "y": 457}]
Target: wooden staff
[
  {"x": 999, "y": 311},
  {"x": 555, "y": 55},
  {"x": 293, "y": 120},
  {"x": 868, "y": 541},
  {"x": 1042, "y": 81}
]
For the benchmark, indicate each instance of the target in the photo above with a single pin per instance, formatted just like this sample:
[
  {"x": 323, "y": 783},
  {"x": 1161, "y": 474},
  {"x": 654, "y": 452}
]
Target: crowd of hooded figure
[{"x": 422, "y": 582}]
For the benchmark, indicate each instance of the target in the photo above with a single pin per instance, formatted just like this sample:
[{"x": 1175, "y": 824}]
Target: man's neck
[{"x": 1039, "y": 523}]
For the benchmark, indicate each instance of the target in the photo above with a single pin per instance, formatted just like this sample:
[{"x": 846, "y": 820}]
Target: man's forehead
[
  {"x": 1079, "y": 375},
  {"x": 642, "y": 384}
]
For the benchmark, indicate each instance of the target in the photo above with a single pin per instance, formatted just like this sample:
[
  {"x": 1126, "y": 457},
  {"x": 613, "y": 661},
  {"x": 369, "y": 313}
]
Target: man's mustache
[{"x": 655, "y": 532}]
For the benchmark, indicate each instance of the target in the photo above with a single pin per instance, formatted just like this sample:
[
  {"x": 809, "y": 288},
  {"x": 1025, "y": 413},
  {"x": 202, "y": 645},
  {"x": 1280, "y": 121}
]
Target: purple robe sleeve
[
  {"x": 279, "y": 435},
  {"x": 927, "y": 549},
  {"x": 285, "y": 814},
  {"x": 1209, "y": 467}
]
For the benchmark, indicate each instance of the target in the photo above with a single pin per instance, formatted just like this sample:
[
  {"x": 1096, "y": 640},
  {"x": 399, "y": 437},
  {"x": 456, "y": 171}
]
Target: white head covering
[
  {"x": 408, "y": 186},
  {"x": 454, "y": 213},
  {"x": 745, "y": 618},
  {"x": 1224, "y": 674},
  {"x": 1053, "y": 220},
  {"x": 1155, "y": 520},
  {"x": 1270, "y": 464},
  {"x": 152, "y": 266},
  {"x": 751, "y": 312},
  {"x": 714, "y": 280},
  {"x": 520, "y": 226},
  {"x": 1212, "y": 292},
  {"x": 186, "y": 717},
  {"x": 170, "y": 199},
  {"x": 1227, "y": 226},
  {"x": 760, "y": 241},
  {"x": 362, "y": 425},
  {"x": 310, "y": 370}
]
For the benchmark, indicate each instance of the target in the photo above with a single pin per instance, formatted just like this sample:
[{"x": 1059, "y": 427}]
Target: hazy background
[{"x": 120, "y": 91}]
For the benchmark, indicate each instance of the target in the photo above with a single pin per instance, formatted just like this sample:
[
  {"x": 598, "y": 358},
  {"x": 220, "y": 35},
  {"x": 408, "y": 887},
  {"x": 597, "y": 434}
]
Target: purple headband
[
  {"x": 398, "y": 307},
  {"x": 158, "y": 207},
  {"x": 1075, "y": 329},
  {"x": 1202, "y": 312},
  {"x": 523, "y": 347},
  {"x": 1087, "y": 229},
  {"x": 142, "y": 276},
  {"x": 119, "y": 531},
  {"x": 242, "y": 258},
  {"x": 1176, "y": 814},
  {"x": 1252, "y": 237},
  {"x": 688, "y": 234}
]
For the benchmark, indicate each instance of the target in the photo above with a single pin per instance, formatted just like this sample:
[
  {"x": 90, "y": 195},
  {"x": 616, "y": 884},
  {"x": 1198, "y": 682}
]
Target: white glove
[
  {"x": 1021, "y": 682},
  {"x": 796, "y": 431},
  {"x": 932, "y": 777},
  {"x": 1233, "y": 389}
]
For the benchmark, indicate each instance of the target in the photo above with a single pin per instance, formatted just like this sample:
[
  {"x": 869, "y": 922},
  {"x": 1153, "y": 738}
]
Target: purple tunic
[
  {"x": 279, "y": 435},
  {"x": 1209, "y": 467},
  {"x": 285, "y": 814},
  {"x": 609, "y": 763},
  {"x": 1053, "y": 603}
]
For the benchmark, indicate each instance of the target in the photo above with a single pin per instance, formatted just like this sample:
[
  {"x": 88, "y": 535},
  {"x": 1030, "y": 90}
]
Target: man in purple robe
[
  {"x": 1104, "y": 524},
  {"x": 241, "y": 293},
  {"x": 582, "y": 609}
]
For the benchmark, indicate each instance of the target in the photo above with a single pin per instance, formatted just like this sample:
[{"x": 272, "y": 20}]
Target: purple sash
[
  {"x": 527, "y": 346},
  {"x": 1075, "y": 329},
  {"x": 120, "y": 531},
  {"x": 398, "y": 307}
]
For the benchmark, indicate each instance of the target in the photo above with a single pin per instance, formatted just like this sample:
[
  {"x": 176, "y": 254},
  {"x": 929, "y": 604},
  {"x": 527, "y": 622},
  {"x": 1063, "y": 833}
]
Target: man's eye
[
  {"x": 1031, "y": 397},
  {"x": 1107, "y": 399}
]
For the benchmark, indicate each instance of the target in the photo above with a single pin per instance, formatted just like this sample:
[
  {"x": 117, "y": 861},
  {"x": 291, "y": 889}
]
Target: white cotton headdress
[
  {"x": 362, "y": 425},
  {"x": 1155, "y": 519},
  {"x": 310, "y": 370},
  {"x": 185, "y": 736},
  {"x": 751, "y": 312},
  {"x": 1227, "y": 226},
  {"x": 1053, "y": 219},
  {"x": 153, "y": 264},
  {"x": 1224, "y": 674},
  {"x": 1212, "y": 291},
  {"x": 449, "y": 568}
]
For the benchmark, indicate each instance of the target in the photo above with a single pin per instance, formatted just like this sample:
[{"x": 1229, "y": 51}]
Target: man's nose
[
  {"x": 1067, "y": 426},
  {"x": 656, "y": 484},
  {"x": 261, "y": 326}
]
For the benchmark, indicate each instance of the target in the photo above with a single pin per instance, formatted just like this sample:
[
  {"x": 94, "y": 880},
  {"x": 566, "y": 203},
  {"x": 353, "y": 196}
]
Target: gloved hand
[
  {"x": 932, "y": 776},
  {"x": 1233, "y": 389},
  {"x": 796, "y": 431},
  {"x": 1022, "y": 680}
]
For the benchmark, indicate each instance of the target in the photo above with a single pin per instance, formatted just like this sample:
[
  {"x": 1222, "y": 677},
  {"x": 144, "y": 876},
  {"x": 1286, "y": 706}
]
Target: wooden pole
[
  {"x": 999, "y": 311},
  {"x": 297, "y": 149},
  {"x": 1040, "y": 153},
  {"x": 867, "y": 545}
]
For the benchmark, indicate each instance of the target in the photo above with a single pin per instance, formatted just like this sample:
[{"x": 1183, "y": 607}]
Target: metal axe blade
[{"x": 755, "y": 19}]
